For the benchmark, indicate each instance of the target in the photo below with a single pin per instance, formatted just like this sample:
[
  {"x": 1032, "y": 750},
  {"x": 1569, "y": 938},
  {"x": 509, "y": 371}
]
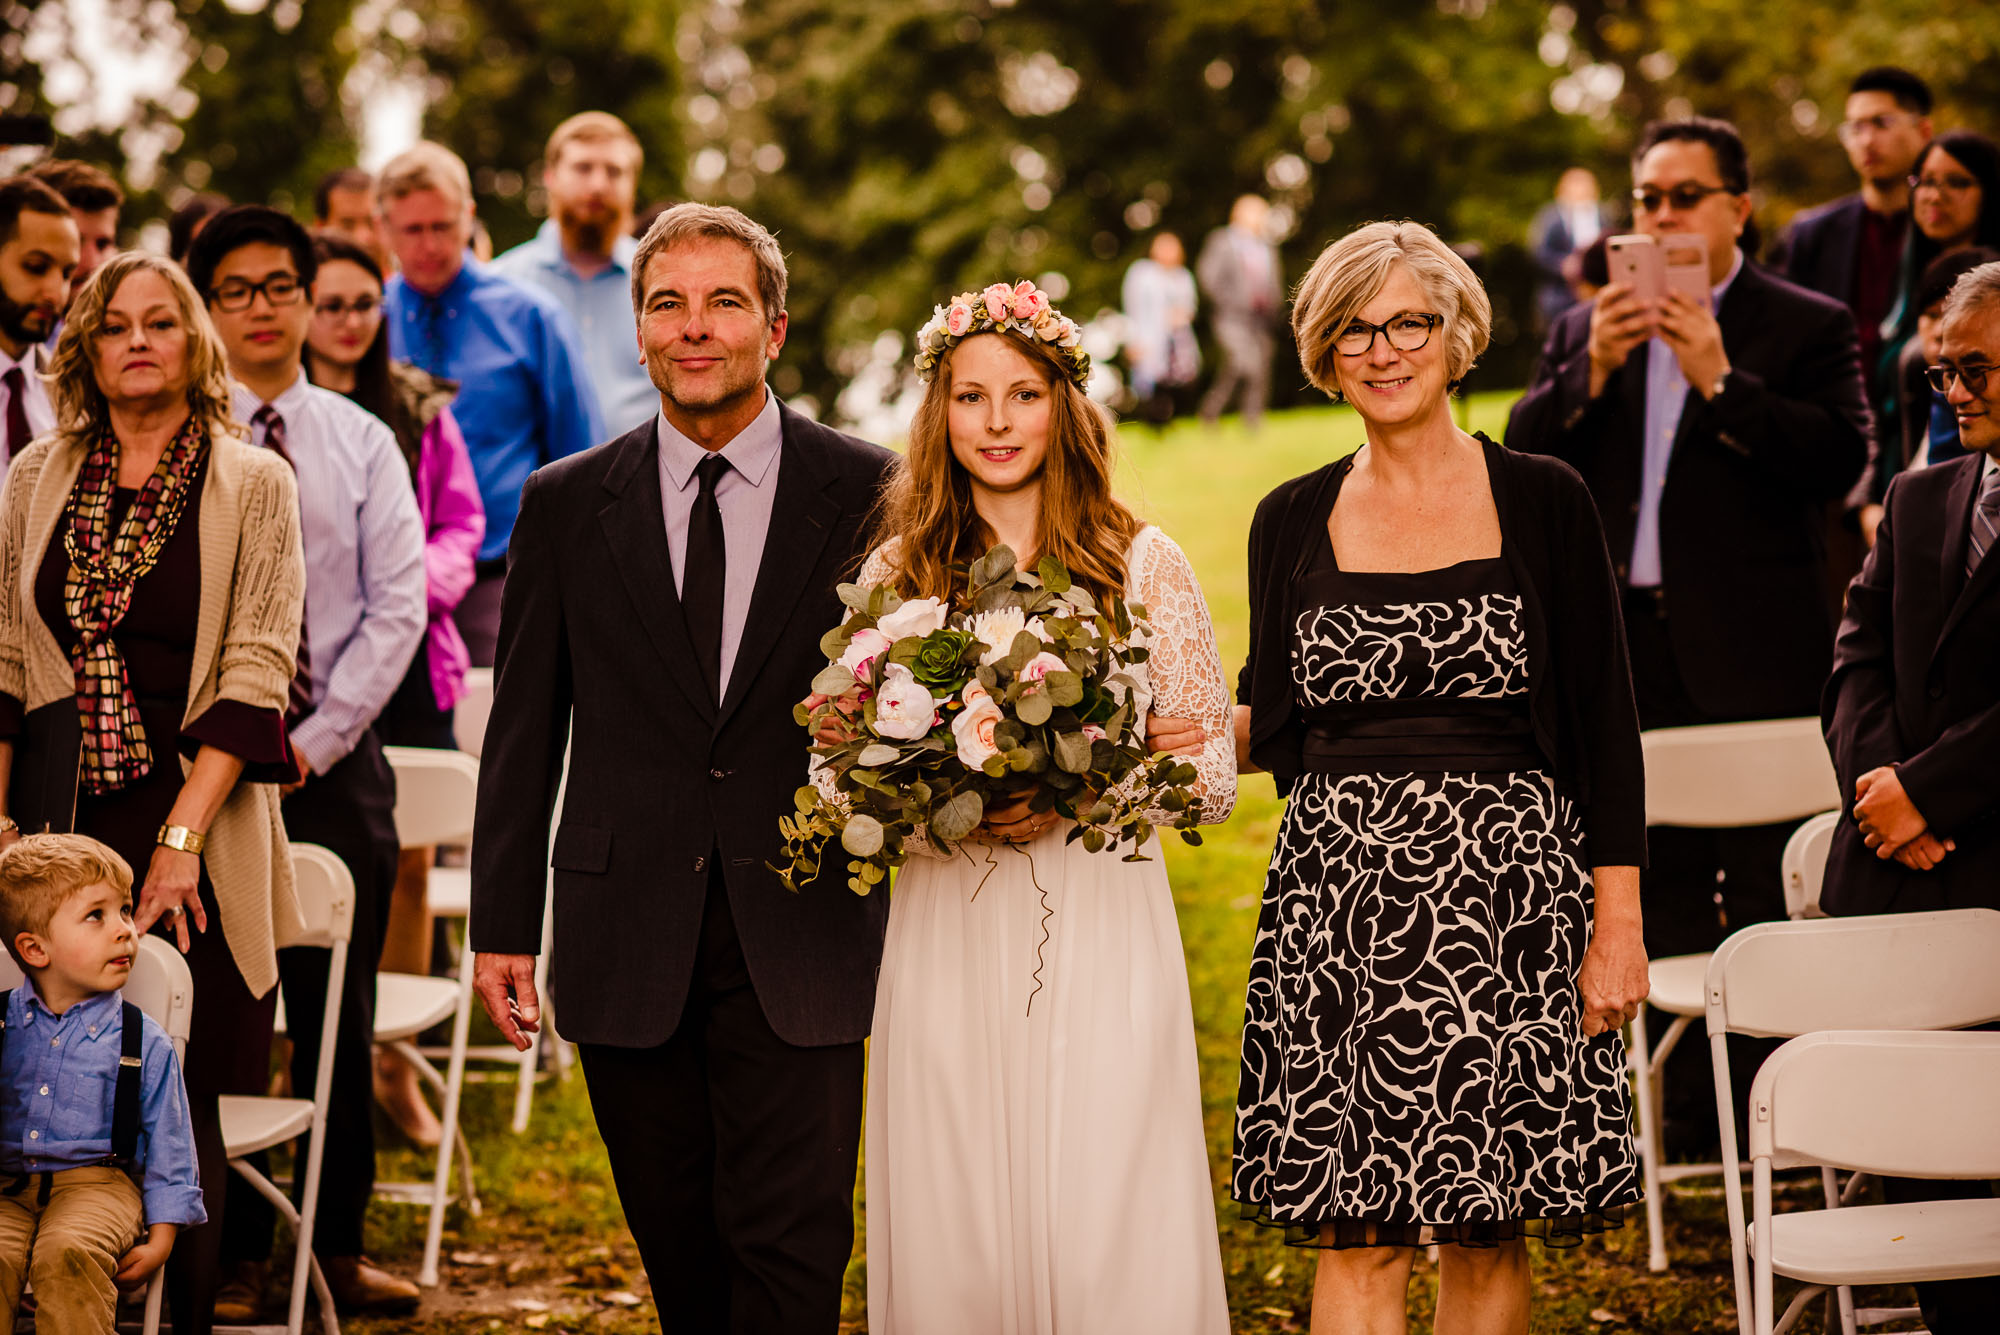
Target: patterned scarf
[{"x": 104, "y": 568}]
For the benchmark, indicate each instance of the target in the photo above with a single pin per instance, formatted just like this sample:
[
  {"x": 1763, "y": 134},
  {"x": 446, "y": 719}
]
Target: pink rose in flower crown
[
  {"x": 999, "y": 301},
  {"x": 904, "y": 710},
  {"x": 958, "y": 320},
  {"x": 975, "y": 724},
  {"x": 1029, "y": 301},
  {"x": 862, "y": 651},
  {"x": 1041, "y": 665},
  {"x": 1067, "y": 334}
]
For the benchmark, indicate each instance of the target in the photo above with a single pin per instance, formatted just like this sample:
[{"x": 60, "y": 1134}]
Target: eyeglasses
[
  {"x": 1406, "y": 332},
  {"x": 333, "y": 308},
  {"x": 1973, "y": 377},
  {"x": 1685, "y": 196},
  {"x": 280, "y": 289},
  {"x": 1880, "y": 124},
  {"x": 1955, "y": 184}
]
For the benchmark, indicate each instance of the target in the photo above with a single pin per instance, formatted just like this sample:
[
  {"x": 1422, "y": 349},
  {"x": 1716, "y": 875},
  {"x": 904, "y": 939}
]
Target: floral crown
[{"x": 1022, "y": 310}]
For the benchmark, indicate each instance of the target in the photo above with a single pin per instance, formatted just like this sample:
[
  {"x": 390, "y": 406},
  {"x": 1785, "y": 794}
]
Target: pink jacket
[{"x": 454, "y": 523}]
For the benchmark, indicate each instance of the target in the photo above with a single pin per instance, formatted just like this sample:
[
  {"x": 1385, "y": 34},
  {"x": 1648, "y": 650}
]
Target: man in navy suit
[{"x": 1912, "y": 712}]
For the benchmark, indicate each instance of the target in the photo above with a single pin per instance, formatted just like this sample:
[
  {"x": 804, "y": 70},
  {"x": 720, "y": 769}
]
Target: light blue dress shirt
[
  {"x": 365, "y": 592},
  {"x": 1666, "y": 400},
  {"x": 524, "y": 393},
  {"x": 601, "y": 307},
  {"x": 56, "y": 1083}
]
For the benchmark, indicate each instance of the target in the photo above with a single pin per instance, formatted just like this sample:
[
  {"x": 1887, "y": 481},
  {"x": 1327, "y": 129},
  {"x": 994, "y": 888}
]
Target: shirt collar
[
  {"x": 1735, "y": 267},
  {"x": 751, "y": 453},
  {"x": 455, "y": 290},
  {"x": 93, "y": 1014},
  {"x": 287, "y": 403},
  {"x": 548, "y": 248},
  {"x": 30, "y": 360}
]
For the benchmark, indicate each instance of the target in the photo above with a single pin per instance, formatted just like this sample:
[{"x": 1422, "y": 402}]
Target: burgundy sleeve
[{"x": 255, "y": 736}]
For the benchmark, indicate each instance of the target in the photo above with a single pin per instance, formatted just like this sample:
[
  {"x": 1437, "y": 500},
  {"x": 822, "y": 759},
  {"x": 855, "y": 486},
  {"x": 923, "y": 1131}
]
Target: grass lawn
[{"x": 551, "y": 1251}]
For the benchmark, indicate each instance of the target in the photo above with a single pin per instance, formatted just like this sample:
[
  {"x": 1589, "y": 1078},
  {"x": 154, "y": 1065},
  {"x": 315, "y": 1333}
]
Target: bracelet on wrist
[{"x": 181, "y": 839}]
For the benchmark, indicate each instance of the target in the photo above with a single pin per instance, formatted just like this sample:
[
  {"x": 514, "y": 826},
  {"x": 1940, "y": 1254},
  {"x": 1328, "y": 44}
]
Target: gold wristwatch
[{"x": 181, "y": 839}]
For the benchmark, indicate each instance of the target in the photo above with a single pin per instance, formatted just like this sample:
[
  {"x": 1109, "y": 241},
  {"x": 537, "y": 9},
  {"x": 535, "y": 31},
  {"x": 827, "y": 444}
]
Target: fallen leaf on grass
[
  {"x": 527, "y": 1304},
  {"x": 1275, "y": 1273},
  {"x": 1274, "y": 1311},
  {"x": 621, "y": 1298},
  {"x": 1604, "y": 1314},
  {"x": 537, "y": 1321},
  {"x": 474, "y": 1258}
]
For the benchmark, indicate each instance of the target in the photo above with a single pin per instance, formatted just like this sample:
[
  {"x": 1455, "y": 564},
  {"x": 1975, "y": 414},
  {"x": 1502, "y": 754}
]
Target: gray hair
[
  {"x": 1975, "y": 288},
  {"x": 691, "y": 222},
  {"x": 1349, "y": 273}
]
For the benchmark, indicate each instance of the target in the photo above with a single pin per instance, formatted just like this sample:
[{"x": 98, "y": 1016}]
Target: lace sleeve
[{"x": 1186, "y": 670}]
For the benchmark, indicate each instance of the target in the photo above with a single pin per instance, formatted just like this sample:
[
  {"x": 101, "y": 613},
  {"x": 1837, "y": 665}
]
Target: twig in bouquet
[
  {"x": 991, "y": 866},
  {"x": 1047, "y": 913}
]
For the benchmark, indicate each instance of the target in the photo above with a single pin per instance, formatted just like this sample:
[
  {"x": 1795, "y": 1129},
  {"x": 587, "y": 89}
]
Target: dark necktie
[
  {"x": 17, "y": 410},
  {"x": 301, "y": 695},
  {"x": 1985, "y": 521},
  {"x": 705, "y": 567}
]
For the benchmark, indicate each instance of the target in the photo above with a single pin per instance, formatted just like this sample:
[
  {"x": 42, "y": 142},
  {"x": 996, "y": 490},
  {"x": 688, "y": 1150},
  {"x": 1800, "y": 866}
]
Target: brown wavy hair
[{"x": 928, "y": 503}]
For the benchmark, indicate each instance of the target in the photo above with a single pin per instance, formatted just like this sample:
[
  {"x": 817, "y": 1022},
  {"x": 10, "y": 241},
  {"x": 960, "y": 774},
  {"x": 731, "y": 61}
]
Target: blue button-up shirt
[
  {"x": 56, "y": 1083},
  {"x": 365, "y": 592},
  {"x": 1666, "y": 399},
  {"x": 524, "y": 395},
  {"x": 601, "y": 306}
]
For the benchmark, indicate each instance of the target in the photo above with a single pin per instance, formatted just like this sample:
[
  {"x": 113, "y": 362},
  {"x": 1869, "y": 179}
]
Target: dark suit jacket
[
  {"x": 1819, "y": 248},
  {"x": 1742, "y": 540},
  {"x": 661, "y": 781},
  {"x": 1916, "y": 684}
]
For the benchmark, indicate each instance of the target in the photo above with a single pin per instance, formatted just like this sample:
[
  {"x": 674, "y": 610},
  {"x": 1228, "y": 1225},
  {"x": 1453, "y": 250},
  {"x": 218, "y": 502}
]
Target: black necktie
[
  {"x": 17, "y": 410},
  {"x": 302, "y": 692},
  {"x": 706, "y": 566}
]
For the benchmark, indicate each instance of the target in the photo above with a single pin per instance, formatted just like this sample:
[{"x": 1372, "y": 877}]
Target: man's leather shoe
[
  {"x": 360, "y": 1288},
  {"x": 239, "y": 1300}
]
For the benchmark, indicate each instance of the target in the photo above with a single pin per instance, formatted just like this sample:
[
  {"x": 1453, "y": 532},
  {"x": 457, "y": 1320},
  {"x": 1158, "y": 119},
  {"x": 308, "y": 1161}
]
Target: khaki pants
[{"x": 68, "y": 1249}]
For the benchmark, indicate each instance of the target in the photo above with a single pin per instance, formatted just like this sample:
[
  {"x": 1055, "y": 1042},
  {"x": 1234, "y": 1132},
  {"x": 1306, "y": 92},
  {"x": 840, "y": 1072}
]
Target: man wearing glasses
[
  {"x": 1912, "y": 712},
  {"x": 365, "y": 616},
  {"x": 1713, "y": 443}
]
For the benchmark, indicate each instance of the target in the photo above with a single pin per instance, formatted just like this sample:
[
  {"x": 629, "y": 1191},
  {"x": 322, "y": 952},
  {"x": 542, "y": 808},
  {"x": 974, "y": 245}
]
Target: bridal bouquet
[{"x": 1023, "y": 687}]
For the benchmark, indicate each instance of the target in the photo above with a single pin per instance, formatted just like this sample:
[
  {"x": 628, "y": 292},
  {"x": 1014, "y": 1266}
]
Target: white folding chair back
[
  {"x": 468, "y": 719},
  {"x": 1804, "y": 864},
  {"x": 1844, "y": 1099},
  {"x": 1727, "y": 775},
  {"x": 436, "y": 792},
  {"x": 1783, "y": 979},
  {"x": 251, "y": 1123}
]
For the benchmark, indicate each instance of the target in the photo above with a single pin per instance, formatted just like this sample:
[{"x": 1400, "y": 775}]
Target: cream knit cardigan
[{"x": 253, "y": 582}]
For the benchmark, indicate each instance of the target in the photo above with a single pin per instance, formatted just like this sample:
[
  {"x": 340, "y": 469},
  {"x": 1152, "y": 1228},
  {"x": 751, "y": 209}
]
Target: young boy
[{"x": 72, "y": 1198}]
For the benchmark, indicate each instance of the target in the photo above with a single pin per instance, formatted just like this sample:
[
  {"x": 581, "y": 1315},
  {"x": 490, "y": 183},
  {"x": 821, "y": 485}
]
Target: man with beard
[
  {"x": 582, "y": 257},
  {"x": 39, "y": 249},
  {"x": 94, "y": 200}
]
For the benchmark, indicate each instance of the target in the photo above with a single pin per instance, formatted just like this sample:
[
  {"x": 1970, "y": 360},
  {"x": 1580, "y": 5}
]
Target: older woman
[
  {"x": 1450, "y": 934},
  {"x": 151, "y": 586}
]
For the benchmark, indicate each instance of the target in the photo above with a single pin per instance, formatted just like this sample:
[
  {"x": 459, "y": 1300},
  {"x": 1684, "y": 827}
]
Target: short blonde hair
[
  {"x": 80, "y": 405},
  {"x": 43, "y": 871},
  {"x": 593, "y": 127},
  {"x": 424, "y": 165},
  {"x": 1350, "y": 272}
]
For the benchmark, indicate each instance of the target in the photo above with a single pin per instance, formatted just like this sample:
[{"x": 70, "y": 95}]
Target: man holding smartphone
[{"x": 1712, "y": 435}]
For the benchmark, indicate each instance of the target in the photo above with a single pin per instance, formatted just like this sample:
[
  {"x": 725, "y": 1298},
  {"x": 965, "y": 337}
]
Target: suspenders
[{"x": 124, "y": 1097}]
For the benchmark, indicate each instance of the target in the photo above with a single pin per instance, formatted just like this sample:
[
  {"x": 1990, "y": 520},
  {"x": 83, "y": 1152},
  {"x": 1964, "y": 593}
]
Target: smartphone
[
  {"x": 1684, "y": 264},
  {"x": 1655, "y": 266}
]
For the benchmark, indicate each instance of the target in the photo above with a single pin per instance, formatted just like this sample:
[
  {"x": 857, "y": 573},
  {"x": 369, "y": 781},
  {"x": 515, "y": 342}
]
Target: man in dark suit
[
  {"x": 1912, "y": 711},
  {"x": 1562, "y": 229},
  {"x": 1712, "y": 444},
  {"x": 665, "y": 598}
]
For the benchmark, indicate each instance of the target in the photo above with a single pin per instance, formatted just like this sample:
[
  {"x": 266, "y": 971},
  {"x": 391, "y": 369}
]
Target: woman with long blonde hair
[{"x": 1035, "y": 1159}]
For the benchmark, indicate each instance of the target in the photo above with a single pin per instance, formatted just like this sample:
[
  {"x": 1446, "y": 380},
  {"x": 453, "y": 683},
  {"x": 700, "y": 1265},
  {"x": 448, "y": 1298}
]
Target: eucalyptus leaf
[
  {"x": 1064, "y": 688},
  {"x": 1008, "y": 734},
  {"x": 805, "y": 798},
  {"x": 1018, "y": 759},
  {"x": 1073, "y": 751},
  {"x": 957, "y": 818},
  {"x": 834, "y": 643},
  {"x": 833, "y": 679},
  {"x": 1054, "y": 577},
  {"x": 854, "y": 595},
  {"x": 994, "y": 567},
  {"x": 1034, "y": 709},
  {"x": 863, "y": 836},
  {"x": 876, "y": 754}
]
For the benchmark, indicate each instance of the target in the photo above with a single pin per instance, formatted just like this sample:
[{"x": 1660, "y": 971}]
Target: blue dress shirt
[
  {"x": 1666, "y": 400},
  {"x": 366, "y": 607},
  {"x": 524, "y": 396},
  {"x": 56, "y": 1082},
  {"x": 601, "y": 307}
]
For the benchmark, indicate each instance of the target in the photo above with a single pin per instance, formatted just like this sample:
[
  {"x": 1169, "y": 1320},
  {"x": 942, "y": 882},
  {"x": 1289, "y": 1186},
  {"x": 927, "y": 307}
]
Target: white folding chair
[
  {"x": 1805, "y": 865},
  {"x": 161, "y": 986},
  {"x": 254, "y": 1122},
  {"x": 1843, "y": 1099},
  {"x": 475, "y": 703},
  {"x": 1784, "y": 979},
  {"x": 1718, "y": 776}
]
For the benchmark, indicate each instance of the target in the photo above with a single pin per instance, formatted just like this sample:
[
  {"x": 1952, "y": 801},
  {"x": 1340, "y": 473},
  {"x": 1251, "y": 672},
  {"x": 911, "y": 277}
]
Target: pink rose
[
  {"x": 1067, "y": 334},
  {"x": 862, "y": 650},
  {"x": 958, "y": 320},
  {"x": 1093, "y": 732},
  {"x": 974, "y": 726},
  {"x": 1041, "y": 665},
  {"x": 999, "y": 301}
]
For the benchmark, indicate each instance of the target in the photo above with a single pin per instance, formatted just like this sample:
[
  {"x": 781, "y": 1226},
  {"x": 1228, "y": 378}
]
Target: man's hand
[
  {"x": 299, "y": 762},
  {"x": 1884, "y": 813},
  {"x": 138, "y": 1265},
  {"x": 506, "y": 987},
  {"x": 1174, "y": 736},
  {"x": 1691, "y": 332},
  {"x": 1924, "y": 852},
  {"x": 1619, "y": 322}
]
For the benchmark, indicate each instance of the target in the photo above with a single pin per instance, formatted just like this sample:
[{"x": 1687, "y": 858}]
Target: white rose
[
  {"x": 918, "y": 617},
  {"x": 903, "y": 708},
  {"x": 996, "y": 630},
  {"x": 1040, "y": 631},
  {"x": 974, "y": 726},
  {"x": 862, "y": 651}
]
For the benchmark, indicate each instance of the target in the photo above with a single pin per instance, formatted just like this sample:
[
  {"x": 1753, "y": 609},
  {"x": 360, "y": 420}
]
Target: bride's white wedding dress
[{"x": 1036, "y": 1163}]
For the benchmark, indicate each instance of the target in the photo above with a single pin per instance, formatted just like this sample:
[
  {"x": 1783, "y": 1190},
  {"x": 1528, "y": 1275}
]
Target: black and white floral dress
[{"x": 1413, "y": 1067}]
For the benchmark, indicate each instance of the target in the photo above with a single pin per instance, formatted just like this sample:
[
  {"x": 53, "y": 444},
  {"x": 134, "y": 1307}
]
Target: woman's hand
[
  {"x": 833, "y": 729},
  {"x": 172, "y": 889},
  {"x": 1174, "y": 736},
  {"x": 1012, "y": 823},
  {"x": 1613, "y": 980}
]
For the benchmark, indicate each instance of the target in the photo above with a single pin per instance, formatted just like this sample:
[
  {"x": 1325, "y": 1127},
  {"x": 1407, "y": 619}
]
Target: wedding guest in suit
[
  {"x": 1912, "y": 711},
  {"x": 1713, "y": 437},
  {"x": 1562, "y": 230},
  {"x": 1239, "y": 276},
  {"x": 153, "y": 548},
  {"x": 1158, "y": 298},
  {"x": 344, "y": 202},
  {"x": 665, "y": 598},
  {"x": 38, "y": 259},
  {"x": 94, "y": 199},
  {"x": 364, "y": 546}
]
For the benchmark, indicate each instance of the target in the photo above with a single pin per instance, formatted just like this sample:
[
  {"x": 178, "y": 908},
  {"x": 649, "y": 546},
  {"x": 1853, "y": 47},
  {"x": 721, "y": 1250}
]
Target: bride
[{"x": 1035, "y": 1154}]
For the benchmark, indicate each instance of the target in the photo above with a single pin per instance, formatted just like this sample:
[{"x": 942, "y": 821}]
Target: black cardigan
[{"x": 1579, "y": 681}]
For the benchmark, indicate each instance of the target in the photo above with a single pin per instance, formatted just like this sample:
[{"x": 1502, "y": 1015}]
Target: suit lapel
[
  {"x": 803, "y": 516},
  {"x": 1959, "y": 592},
  {"x": 635, "y": 527}
]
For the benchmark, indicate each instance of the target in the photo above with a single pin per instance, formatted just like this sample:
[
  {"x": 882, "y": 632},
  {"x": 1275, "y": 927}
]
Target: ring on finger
[{"x": 174, "y": 911}]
